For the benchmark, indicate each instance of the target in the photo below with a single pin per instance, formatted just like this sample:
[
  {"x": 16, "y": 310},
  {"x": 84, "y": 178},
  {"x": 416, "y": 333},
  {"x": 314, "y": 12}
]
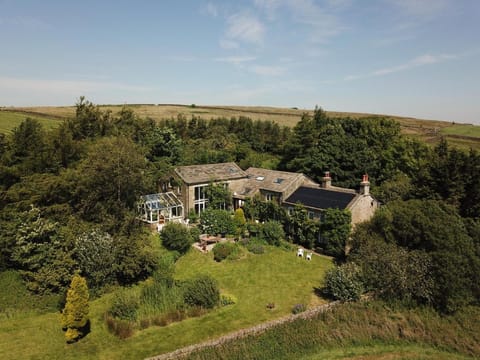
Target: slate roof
[
  {"x": 270, "y": 180},
  {"x": 320, "y": 198},
  {"x": 198, "y": 174}
]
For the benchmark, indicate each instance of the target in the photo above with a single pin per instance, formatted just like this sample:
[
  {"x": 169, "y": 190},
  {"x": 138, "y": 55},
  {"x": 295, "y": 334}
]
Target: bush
[
  {"x": 193, "y": 216},
  {"x": 216, "y": 222},
  {"x": 176, "y": 237},
  {"x": 125, "y": 306},
  {"x": 299, "y": 308},
  {"x": 227, "y": 250},
  {"x": 344, "y": 282},
  {"x": 227, "y": 300},
  {"x": 202, "y": 291},
  {"x": 121, "y": 328},
  {"x": 272, "y": 232},
  {"x": 255, "y": 246}
]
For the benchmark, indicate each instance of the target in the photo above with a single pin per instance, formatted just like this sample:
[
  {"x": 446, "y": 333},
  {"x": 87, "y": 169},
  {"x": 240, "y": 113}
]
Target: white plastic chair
[
  {"x": 309, "y": 256},
  {"x": 300, "y": 252}
]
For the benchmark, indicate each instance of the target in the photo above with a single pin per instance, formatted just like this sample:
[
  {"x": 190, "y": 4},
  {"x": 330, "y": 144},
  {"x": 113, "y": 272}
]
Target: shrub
[
  {"x": 344, "y": 282},
  {"x": 216, "y": 222},
  {"x": 272, "y": 232},
  {"x": 255, "y": 246},
  {"x": 227, "y": 250},
  {"x": 195, "y": 233},
  {"x": 121, "y": 328},
  {"x": 193, "y": 216},
  {"x": 176, "y": 237},
  {"x": 240, "y": 222},
  {"x": 75, "y": 313},
  {"x": 227, "y": 300},
  {"x": 253, "y": 229},
  {"x": 202, "y": 291},
  {"x": 125, "y": 306},
  {"x": 299, "y": 308}
]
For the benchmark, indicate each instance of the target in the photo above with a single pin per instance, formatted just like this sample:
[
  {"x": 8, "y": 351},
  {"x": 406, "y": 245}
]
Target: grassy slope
[
  {"x": 9, "y": 120},
  {"x": 368, "y": 330},
  {"x": 277, "y": 276},
  {"x": 429, "y": 131}
]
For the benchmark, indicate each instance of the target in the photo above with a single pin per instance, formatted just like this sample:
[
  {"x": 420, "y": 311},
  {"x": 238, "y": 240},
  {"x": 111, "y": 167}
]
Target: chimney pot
[
  {"x": 326, "y": 180},
  {"x": 365, "y": 185}
]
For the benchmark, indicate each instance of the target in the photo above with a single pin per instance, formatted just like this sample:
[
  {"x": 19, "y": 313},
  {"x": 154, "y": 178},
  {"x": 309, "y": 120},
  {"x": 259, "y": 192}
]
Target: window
[
  {"x": 200, "y": 193},
  {"x": 176, "y": 211},
  {"x": 311, "y": 215}
]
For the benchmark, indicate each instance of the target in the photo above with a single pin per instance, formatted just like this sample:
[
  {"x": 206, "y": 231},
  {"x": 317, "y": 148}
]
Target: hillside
[{"x": 430, "y": 131}]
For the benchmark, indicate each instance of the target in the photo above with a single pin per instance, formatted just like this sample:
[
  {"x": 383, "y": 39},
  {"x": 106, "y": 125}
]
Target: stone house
[
  {"x": 188, "y": 184},
  {"x": 316, "y": 199}
]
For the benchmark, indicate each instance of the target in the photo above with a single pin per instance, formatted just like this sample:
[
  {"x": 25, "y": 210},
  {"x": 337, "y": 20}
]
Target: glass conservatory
[{"x": 160, "y": 208}]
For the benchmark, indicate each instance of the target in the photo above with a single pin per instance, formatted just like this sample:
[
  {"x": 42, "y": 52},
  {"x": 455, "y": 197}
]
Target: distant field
[
  {"x": 10, "y": 120},
  {"x": 429, "y": 131}
]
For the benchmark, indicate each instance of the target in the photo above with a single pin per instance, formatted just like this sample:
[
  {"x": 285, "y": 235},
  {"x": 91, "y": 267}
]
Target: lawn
[
  {"x": 10, "y": 120},
  {"x": 277, "y": 276}
]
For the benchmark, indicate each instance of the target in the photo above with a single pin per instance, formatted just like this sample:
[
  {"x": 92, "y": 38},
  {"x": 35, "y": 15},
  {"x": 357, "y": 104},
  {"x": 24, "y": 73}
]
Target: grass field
[
  {"x": 277, "y": 276},
  {"x": 10, "y": 120}
]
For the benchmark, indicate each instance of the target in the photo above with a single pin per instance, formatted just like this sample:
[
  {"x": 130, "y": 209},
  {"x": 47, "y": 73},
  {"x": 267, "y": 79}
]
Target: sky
[{"x": 418, "y": 58}]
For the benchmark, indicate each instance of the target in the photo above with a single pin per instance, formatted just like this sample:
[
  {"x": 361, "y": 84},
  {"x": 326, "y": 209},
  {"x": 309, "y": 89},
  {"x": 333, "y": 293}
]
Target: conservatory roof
[{"x": 160, "y": 201}]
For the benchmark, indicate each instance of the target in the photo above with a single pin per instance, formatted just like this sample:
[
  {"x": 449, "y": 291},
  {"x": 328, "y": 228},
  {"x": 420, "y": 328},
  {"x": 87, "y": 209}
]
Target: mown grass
[
  {"x": 277, "y": 276},
  {"x": 361, "y": 331},
  {"x": 10, "y": 120}
]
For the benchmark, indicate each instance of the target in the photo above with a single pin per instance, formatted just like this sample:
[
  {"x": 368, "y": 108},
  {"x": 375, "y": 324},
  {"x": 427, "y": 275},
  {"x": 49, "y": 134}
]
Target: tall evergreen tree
[{"x": 75, "y": 313}]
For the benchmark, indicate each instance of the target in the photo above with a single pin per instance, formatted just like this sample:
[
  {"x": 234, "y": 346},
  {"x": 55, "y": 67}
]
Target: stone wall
[{"x": 178, "y": 354}]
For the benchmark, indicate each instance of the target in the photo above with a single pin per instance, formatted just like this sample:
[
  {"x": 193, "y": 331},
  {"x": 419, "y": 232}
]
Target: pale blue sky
[{"x": 416, "y": 58}]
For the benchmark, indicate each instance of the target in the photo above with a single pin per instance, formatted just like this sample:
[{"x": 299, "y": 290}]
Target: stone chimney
[
  {"x": 365, "y": 185},
  {"x": 326, "y": 180}
]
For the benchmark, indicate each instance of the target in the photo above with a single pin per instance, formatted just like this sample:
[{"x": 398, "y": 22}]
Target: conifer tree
[{"x": 75, "y": 313}]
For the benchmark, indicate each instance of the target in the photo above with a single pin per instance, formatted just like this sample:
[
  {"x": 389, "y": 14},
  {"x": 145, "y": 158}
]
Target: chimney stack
[
  {"x": 326, "y": 180},
  {"x": 365, "y": 185}
]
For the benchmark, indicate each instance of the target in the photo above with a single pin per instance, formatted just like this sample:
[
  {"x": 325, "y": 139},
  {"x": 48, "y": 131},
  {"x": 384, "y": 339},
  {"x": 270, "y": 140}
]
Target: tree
[
  {"x": 240, "y": 222},
  {"x": 344, "y": 282},
  {"x": 176, "y": 237},
  {"x": 41, "y": 253},
  {"x": 96, "y": 257},
  {"x": 272, "y": 232},
  {"x": 420, "y": 242},
  {"x": 110, "y": 179},
  {"x": 335, "y": 229},
  {"x": 163, "y": 143},
  {"x": 219, "y": 196},
  {"x": 75, "y": 313},
  {"x": 301, "y": 229}
]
